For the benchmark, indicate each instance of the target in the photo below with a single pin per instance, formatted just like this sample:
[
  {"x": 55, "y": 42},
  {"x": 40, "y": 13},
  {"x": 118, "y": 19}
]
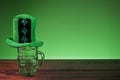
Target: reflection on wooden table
[{"x": 65, "y": 70}]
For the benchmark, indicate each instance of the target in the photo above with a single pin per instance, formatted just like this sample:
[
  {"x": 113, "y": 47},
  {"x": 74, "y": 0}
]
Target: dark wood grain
[{"x": 65, "y": 70}]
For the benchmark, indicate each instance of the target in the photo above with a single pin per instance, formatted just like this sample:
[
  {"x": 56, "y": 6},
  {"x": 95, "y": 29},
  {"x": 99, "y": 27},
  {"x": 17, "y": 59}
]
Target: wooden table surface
[{"x": 65, "y": 70}]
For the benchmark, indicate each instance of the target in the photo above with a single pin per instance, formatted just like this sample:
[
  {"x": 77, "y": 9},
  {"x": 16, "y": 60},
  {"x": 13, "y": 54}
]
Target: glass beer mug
[{"x": 28, "y": 60}]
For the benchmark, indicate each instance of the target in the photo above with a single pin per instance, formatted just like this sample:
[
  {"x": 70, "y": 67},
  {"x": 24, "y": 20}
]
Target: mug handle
[{"x": 42, "y": 57}]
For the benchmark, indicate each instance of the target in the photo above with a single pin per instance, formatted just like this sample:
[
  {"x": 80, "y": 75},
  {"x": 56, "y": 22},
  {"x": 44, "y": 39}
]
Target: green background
[{"x": 70, "y": 29}]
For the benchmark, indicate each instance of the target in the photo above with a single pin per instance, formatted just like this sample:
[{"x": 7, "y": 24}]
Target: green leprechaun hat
[{"x": 23, "y": 32}]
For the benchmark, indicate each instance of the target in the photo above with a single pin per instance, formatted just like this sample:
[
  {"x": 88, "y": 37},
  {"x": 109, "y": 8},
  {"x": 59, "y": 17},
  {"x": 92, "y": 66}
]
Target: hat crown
[{"x": 24, "y": 28}]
